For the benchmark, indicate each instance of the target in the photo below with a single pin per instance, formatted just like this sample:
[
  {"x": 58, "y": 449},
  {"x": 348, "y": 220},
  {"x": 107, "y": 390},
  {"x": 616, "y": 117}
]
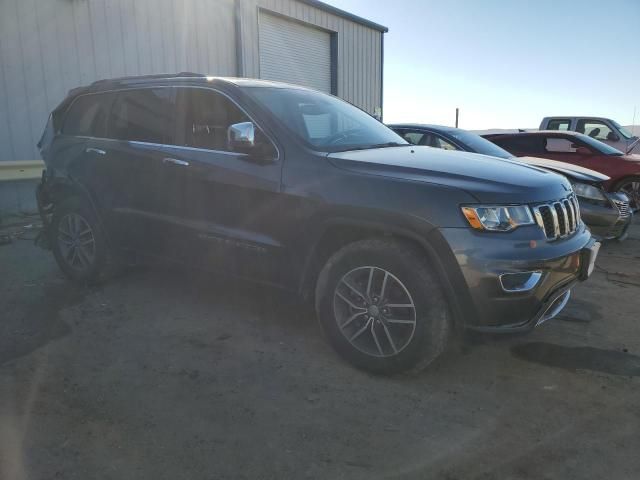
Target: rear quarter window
[
  {"x": 529, "y": 145},
  {"x": 87, "y": 116},
  {"x": 559, "y": 124}
]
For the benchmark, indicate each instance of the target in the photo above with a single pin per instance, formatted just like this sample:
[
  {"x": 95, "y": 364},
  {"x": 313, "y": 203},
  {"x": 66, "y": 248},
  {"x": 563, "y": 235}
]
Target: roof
[
  {"x": 344, "y": 14},
  {"x": 113, "y": 83}
]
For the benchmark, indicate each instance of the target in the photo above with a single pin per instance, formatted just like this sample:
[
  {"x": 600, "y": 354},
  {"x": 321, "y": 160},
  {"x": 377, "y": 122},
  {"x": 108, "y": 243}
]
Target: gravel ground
[{"x": 167, "y": 374}]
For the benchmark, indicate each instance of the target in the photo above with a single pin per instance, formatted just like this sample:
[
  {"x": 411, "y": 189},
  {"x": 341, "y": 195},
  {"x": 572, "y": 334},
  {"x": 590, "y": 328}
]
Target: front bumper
[
  {"x": 484, "y": 257},
  {"x": 607, "y": 222}
]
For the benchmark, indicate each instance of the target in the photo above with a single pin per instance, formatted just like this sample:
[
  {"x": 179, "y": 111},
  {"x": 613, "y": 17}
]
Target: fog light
[{"x": 519, "y": 282}]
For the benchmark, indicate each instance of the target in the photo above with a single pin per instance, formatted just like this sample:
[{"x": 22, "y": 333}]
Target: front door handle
[
  {"x": 175, "y": 161},
  {"x": 97, "y": 151}
]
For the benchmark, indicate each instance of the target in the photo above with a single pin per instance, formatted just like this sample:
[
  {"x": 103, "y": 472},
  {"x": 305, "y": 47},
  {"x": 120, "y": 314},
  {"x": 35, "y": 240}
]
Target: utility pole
[
  {"x": 457, "y": 115},
  {"x": 633, "y": 124}
]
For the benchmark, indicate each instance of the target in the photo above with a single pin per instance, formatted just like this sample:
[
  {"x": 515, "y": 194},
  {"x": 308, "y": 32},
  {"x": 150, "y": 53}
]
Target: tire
[
  {"x": 78, "y": 242},
  {"x": 630, "y": 186},
  {"x": 389, "y": 338}
]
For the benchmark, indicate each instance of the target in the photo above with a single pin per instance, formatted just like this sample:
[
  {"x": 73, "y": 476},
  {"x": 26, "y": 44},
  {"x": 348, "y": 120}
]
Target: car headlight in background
[
  {"x": 498, "y": 218},
  {"x": 584, "y": 190}
]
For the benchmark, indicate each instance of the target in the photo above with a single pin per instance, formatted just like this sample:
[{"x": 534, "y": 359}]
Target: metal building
[{"x": 48, "y": 47}]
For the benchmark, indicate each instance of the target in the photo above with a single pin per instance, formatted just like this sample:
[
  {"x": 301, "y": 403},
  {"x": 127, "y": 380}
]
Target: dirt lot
[{"x": 163, "y": 374}]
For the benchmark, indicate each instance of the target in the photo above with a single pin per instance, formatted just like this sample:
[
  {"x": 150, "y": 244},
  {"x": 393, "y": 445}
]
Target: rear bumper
[{"x": 484, "y": 258}]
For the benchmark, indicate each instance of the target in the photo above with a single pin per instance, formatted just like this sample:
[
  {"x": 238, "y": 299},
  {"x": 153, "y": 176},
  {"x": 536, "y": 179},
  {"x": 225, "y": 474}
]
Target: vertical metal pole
[{"x": 457, "y": 115}]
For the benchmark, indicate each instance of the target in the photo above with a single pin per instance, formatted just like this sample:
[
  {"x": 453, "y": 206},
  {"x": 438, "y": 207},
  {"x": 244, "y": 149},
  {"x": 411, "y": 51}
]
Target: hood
[
  {"x": 632, "y": 157},
  {"x": 574, "y": 172},
  {"x": 488, "y": 179}
]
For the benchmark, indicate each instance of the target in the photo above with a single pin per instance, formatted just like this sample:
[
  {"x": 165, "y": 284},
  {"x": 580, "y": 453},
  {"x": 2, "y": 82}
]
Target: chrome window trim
[{"x": 148, "y": 87}]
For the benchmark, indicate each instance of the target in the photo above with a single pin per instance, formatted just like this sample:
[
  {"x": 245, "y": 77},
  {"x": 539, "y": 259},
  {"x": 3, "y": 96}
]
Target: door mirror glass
[{"x": 241, "y": 137}]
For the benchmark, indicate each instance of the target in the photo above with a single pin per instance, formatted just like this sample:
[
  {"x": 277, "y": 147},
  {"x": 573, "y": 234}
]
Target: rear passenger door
[{"x": 80, "y": 146}]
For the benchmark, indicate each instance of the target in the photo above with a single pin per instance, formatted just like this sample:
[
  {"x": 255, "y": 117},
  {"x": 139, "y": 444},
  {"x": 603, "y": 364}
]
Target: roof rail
[{"x": 149, "y": 77}]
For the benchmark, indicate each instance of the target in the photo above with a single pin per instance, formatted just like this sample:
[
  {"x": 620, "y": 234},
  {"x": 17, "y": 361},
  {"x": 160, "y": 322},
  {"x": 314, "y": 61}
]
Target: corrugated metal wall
[
  {"x": 359, "y": 48},
  {"x": 48, "y": 47}
]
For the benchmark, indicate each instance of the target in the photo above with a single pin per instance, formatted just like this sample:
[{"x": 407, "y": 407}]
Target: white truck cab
[{"x": 603, "y": 129}]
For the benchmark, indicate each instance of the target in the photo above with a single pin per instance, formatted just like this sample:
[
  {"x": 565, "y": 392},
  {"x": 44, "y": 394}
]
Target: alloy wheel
[
  {"x": 374, "y": 311},
  {"x": 76, "y": 241}
]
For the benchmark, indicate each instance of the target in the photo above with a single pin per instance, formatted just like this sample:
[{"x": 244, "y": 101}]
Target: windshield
[
  {"x": 599, "y": 146},
  {"x": 324, "y": 122},
  {"x": 623, "y": 131},
  {"x": 480, "y": 145}
]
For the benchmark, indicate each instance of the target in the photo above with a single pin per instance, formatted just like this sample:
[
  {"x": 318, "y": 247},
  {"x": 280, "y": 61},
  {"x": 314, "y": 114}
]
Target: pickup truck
[{"x": 603, "y": 129}]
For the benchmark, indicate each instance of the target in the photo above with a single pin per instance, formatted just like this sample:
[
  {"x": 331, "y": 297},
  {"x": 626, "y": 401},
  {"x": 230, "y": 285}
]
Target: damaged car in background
[{"x": 607, "y": 214}]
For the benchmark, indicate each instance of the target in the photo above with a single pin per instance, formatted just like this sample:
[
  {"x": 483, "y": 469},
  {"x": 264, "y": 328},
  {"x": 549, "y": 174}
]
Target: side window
[
  {"x": 559, "y": 145},
  {"x": 412, "y": 137},
  {"x": 595, "y": 129},
  {"x": 559, "y": 124},
  {"x": 88, "y": 116},
  {"x": 144, "y": 115},
  {"x": 440, "y": 142},
  {"x": 524, "y": 144},
  {"x": 208, "y": 115}
]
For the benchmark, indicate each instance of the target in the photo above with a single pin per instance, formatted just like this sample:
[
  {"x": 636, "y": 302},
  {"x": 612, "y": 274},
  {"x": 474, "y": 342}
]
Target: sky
[{"x": 507, "y": 64}]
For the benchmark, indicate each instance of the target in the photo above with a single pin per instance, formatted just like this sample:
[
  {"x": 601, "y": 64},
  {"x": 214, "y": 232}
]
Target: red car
[{"x": 579, "y": 149}]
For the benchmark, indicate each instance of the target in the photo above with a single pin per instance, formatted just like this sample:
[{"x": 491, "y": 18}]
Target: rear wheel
[
  {"x": 78, "y": 242},
  {"x": 382, "y": 307},
  {"x": 631, "y": 187}
]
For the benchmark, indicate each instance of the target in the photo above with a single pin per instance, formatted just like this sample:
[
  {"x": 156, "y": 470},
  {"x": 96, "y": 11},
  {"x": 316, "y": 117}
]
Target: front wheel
[
  {"x": 382, "y": 307},
  {"x": 631, "y": 187}
]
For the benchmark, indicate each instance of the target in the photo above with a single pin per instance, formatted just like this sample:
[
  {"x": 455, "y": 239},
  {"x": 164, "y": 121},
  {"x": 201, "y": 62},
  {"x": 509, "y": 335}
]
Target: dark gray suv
[{"x": 400, "y": 246}]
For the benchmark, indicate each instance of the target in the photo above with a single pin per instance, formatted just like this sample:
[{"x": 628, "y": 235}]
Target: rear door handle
[
  {"x": 175, "y": 161},
  {"x": 97, "y": 151}
]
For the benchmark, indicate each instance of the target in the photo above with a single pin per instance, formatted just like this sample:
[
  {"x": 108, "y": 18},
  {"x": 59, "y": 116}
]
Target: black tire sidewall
[
  {"x": 93, "y": 274},
  {"x": 432, "y": 314}
]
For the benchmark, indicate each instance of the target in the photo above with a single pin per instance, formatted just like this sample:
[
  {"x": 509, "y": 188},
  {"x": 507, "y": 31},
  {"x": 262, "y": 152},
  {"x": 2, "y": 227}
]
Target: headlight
[
  {"x": 589, "y": 192},
  {"x": 497, "y": 218}
]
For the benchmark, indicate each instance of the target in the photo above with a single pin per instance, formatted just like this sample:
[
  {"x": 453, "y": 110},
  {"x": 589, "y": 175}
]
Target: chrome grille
[
  {"x": 623, "y": 208},
  {"x": 558, "y": 219}
]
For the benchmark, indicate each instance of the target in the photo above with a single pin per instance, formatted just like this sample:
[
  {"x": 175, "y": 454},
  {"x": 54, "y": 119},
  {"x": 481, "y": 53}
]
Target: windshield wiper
[{"x": 375, "y": 145}]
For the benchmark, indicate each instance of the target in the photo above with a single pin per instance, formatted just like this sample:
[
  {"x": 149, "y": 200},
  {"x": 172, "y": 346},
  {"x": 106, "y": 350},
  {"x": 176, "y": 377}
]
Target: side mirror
[
  {"x": 583, "y": 151},
  {"x": 613, "y": 137},
  {"x": 241, "y": 137}
]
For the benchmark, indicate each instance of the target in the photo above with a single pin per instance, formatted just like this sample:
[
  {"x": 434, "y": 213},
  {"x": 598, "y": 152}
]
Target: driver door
[{"x": 225, "y": 201}]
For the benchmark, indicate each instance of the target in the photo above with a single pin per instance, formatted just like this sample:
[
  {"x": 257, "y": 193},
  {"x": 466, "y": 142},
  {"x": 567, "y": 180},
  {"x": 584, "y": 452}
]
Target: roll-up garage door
[{"x": 294, "y": 53}]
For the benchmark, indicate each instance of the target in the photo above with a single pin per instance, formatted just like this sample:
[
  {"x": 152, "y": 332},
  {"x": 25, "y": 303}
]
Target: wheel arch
[{"x": 337, "y": 233}]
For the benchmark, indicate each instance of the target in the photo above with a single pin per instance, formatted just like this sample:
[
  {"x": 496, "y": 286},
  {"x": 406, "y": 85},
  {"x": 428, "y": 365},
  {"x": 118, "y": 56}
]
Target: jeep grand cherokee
[{"x": 399, "y": 245}]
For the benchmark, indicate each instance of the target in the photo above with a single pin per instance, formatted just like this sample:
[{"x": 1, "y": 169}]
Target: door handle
[
  {"x": 97, "y": 151},
  {"x": 175, "y": 161}
]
